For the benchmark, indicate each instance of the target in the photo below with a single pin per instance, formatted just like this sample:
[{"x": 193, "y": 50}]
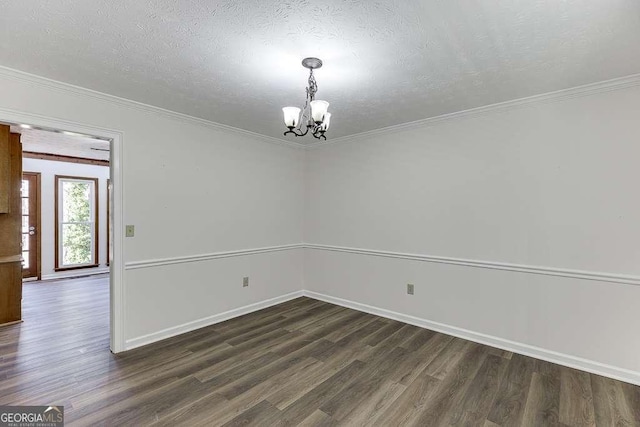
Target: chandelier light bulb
[
  {"x": 291, "y": 116},
  {"x": 319, "y": 110},
  {"x": 325, "y": 123}
]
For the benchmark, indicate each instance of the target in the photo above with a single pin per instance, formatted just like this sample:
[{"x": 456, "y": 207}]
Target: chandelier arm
[
  {"x": 303, "y": 133},
  {"x": 297, "y": 132},
  {"x": 319, "y": 134}
]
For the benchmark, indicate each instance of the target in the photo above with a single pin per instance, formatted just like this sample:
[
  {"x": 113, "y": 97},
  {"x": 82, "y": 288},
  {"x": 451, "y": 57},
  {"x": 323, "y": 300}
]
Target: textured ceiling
[{"x": 386, "y": 62}]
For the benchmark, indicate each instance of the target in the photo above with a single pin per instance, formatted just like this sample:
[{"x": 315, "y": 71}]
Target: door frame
[
  {"x": 38, "y": 234},
  {"x": 116, "y": 268}
]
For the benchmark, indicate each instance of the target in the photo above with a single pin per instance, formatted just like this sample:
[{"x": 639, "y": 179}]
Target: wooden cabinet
[
  {"x": 10, "y": 291},
  {"x": 10, "y": 227},
  {"x": 5, "y": 169}
]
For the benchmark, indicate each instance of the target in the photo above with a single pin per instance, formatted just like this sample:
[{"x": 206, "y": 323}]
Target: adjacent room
[{"x": 353, "y": 213}]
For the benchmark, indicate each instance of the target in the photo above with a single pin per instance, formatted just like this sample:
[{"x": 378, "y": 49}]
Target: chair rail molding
[
  {"x": 522, "y": 268},
  {"x": 134, "y": 265}
]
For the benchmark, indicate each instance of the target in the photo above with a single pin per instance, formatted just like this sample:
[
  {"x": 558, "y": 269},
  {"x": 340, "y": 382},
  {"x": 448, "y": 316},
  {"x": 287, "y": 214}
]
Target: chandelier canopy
[{"x": 313, "y": 116}]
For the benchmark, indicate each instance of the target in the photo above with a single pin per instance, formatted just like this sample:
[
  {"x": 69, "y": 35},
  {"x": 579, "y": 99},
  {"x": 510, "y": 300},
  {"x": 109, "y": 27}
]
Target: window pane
[
  {"x": 24, "y": 190},
  {"x": 25, "y": 223},
  {"x": 25, "y": 242},
  {"x": 77, "y": 216},
  {"x": 25, "y": 206},
  {"x": 25, "y": 259},
  {"x": 76, "y": 244},
  {"x": 76, "y": 202}
]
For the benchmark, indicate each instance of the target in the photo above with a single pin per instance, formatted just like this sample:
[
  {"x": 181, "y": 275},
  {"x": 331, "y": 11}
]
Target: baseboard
[
  {"x": 75, "y": 273},
  {"x": 591, "y": 366},
  {"x": 208, "y": 321}
]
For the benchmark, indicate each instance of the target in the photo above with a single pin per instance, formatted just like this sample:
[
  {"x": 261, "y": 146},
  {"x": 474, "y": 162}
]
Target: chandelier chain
[{"x": 313, "y": 86}]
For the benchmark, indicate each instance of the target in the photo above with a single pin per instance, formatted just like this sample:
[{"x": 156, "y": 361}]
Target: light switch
[{"x": 129, "y": 230}]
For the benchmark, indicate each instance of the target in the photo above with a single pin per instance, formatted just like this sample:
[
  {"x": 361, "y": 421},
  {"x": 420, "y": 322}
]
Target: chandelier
[{"x": 314, "y": 115}]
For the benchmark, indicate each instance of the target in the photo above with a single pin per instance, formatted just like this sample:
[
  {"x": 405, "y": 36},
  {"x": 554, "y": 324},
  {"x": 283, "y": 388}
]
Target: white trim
[
  {"x": 545, "y": 98},
  {"x": 556, "y": 96},
  {"x": 575, "y": 362},
  {"x": 116, "y": 264},
  {"x": 521, "y": 268},
  {"x": 116, "y": 173},
  {"x": 207, "y": 321},
  {"x": 547, "y": 271},
  {"x": 75, "y": 273},
  {"x": 78, "y": 90},
  {"x": 133, "y": 265}
]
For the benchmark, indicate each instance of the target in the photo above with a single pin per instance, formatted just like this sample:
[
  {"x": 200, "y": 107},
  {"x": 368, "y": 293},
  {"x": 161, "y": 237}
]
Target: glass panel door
[{"x": 30, "y": 195}]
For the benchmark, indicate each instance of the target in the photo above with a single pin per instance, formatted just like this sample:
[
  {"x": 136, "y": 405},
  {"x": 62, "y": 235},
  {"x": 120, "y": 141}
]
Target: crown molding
[
  {"x": 68, "y": 88},
  {"x": 545, "y": 98},
  {"x": 550, "y": 97}
]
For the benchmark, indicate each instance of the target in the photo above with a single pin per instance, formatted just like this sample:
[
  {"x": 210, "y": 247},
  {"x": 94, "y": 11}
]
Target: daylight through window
[{"x": 76, "y": 208}]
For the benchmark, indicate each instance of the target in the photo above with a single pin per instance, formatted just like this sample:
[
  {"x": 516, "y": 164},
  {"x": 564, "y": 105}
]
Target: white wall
[
  {"x": 552, "y": 185},
  {"x": 271, "y": 274},
  {"x": 549, "y": 186},
  {"x": 48, "y": 170},
  {"x": 190, "y": 189}
]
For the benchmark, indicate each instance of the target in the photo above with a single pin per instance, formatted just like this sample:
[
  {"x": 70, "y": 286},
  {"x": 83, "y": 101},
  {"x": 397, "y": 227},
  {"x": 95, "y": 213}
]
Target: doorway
[
  {"x": 74, "y": 172},
  {"x": 116, "y": 265},
  {"x": 31, "y": 242}
]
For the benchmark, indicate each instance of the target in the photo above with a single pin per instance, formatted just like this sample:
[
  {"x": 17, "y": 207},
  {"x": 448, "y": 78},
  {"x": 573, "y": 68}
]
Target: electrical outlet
[
  {"x": 129, "y": 231},
  {"x": 410, "y": 288},
  {"x": 245, "y": 282}
]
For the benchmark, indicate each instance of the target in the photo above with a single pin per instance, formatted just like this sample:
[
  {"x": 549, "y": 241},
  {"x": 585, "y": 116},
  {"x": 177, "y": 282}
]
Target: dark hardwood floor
[{"x": 304, "y": 362}]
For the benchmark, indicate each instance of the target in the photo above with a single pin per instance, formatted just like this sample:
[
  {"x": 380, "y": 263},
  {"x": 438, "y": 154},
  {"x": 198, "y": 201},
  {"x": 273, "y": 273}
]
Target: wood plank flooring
[{"x": 304, "y": 362}]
